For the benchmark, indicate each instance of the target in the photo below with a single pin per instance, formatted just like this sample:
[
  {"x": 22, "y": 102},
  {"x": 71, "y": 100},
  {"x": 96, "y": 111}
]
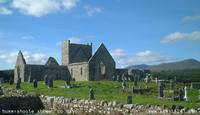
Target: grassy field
[{"x": 110, "y": 91}]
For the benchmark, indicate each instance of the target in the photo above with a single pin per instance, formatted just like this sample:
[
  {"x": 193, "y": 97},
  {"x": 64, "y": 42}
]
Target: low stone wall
[{"x": 79, "y": 106}]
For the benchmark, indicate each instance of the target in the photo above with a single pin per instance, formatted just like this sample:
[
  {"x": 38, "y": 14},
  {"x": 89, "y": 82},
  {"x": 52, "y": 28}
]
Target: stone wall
[
  {"x": 64, "y": 105},
  {"x": 80, "y": 106},
  {"x": 79, "y": 71},
  {"x": 101, "y": 57}
]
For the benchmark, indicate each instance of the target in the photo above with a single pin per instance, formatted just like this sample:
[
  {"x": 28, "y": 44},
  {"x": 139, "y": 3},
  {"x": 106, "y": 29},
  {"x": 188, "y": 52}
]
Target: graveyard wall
[{"x": 64, "y": 105}]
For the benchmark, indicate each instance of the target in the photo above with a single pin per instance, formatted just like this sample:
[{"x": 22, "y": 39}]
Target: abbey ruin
[{"x": 78, "y": 63}]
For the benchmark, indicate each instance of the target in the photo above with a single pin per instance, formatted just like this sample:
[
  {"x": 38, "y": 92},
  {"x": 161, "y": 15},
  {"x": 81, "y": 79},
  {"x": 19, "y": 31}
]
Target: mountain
[
  {"x": 179, "y": 65},
  {"x": 141, "y": 66}
]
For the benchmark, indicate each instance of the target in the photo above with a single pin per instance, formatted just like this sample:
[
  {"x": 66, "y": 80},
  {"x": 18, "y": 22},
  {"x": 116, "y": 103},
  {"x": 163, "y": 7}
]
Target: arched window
[{"x": 102, "y": 70}]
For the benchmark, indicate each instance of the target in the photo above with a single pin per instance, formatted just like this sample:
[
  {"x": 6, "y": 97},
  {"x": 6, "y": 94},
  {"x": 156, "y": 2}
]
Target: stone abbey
[{"x": 78, "y": 63}]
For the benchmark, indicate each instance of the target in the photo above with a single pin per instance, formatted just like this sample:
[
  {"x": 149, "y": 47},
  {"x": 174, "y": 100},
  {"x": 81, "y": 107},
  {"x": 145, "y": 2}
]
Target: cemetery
[{"x": 98, "y": 96}]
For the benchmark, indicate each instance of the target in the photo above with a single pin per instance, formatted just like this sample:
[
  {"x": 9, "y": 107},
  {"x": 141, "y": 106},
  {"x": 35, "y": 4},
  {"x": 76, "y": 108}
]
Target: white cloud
[
  {"x": 40, "y": 8},
  {"x": 33, "y": 58},
  {"x": 5, "y": 11},
  {"x": 177, "y": 36},
  {"x": 91, "y": 10},
  {"x": 190, "y": 18},
  {"x": 124, "y": 59}
]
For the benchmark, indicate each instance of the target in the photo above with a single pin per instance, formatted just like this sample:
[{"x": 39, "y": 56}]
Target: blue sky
[{"x": 134, "y": 31}]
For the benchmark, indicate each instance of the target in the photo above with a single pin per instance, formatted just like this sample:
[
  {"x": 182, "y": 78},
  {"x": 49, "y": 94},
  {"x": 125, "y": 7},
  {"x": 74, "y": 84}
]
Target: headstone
[
  {"x": 181, "y": 94},
  {"x": 129, "y": 100},
  {"x": 91, "y": 94},
  {"x": 50, "y": 82},
  {"x": 185, "y": 96},
  {"x": 123, "y": 85},
  {"x": 18, "y": 83},
  {"x": 156, "y": 80},
  {"x": 171, "y": 85},
  {"x": 46, "y": 80},
  {"x": 11, "y": 81},
  {"x": 114, "y": 78},
  {"x": 67, "y": 84},
  {"x": 35, "y": 83},
  {"x": 135, "y": 80},
  {"x": 119, "y": 78},
  {"x": 147, "y": 78},
  {"x": 123, "y": 77},
  {"x": 1, "y": 91},
  {"x": 161, "y": 93}
]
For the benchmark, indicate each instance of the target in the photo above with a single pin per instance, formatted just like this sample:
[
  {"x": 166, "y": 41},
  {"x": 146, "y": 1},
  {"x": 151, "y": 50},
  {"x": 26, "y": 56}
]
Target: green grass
[{"x": 110, "y": 91}]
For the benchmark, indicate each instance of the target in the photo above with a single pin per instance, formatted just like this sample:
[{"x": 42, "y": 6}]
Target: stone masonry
[{"x": 77, "y": 63}]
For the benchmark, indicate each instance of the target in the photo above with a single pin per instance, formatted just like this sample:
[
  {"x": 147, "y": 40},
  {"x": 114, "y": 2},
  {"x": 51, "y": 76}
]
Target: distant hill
[{"x": 179, "y": 65}]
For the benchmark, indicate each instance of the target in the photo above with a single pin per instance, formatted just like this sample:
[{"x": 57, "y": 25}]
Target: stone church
[{"x": 78, "y": 63}]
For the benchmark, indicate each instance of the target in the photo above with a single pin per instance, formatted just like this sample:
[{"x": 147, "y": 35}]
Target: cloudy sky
[{"x": 134, "y": 31}]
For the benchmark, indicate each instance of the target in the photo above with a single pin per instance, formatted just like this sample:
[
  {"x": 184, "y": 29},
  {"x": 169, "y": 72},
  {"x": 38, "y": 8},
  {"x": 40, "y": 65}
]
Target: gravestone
[
  {"x": 161, "y": 88},
  {"x": 18, "y": 83},
  {"x": 199, "y": 94},
  {"x": 123, "y": 85},
  {"x": 135, "y": 80},
  {"x": 171, "y": 84},
  {"x": 46, "y": 80},
  {"x": 129, "y": 100},
  {"x": 147, "y": 78},
  {"x": 91, "y": 94},
  {"x": 1, "y": 91},
  {"x": 11, "y": 81},
  {"x": 67, "y": 84},
  {"x": 185, "y": 96},
  {"x": 50, "y": 82},
  {"x": 114, "y": 78},
  {"x": 156, "y": 80},
  {"x": 181, "y": 94},
  {"x": 35, "y": 83}
]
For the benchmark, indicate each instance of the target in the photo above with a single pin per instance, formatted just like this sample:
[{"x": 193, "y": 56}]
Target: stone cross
[
  {"x": 185, "y": 96},
  {"x": 161, "y": 93},
  {"x": 91, "y": 94},
  {"x": 35, "y": 83},
  {"x": 129, "y": 100}
]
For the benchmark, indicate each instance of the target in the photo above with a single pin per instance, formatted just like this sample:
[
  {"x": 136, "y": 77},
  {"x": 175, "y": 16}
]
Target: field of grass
[{"x": 110, "y": 91}]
